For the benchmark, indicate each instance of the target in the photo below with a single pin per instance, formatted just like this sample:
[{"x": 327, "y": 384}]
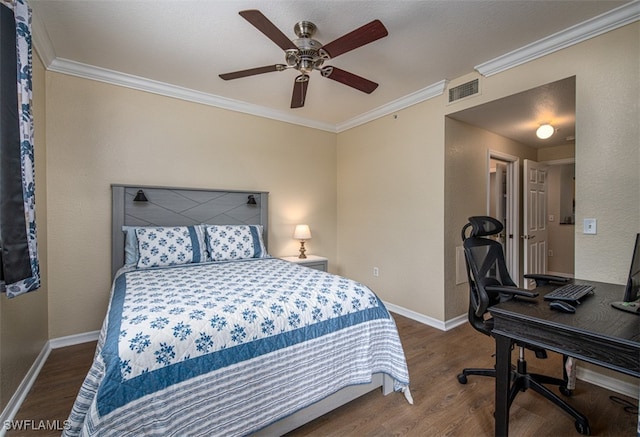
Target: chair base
[{"x": 521, "y": 381}]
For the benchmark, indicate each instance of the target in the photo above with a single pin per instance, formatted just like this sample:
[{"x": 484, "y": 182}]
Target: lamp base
[{"x": 302, "y": 251}]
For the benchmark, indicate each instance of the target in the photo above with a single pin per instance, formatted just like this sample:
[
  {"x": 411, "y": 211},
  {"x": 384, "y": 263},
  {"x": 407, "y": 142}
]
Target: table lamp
[{"x": 302, "y": 233}]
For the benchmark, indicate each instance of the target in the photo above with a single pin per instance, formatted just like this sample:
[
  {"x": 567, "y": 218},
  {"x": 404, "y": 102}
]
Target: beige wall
[
  {"x": 23, "y": 319},
  {"x": 99, "y": 134},
  {"x": 390, "y": 203},
  {"x": 608, "y": 154},
  {"x": 564, "y": 152}
]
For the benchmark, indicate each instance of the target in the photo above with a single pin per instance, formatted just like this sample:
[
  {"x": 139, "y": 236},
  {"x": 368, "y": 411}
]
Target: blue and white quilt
[{"x": 228, "y": 348}]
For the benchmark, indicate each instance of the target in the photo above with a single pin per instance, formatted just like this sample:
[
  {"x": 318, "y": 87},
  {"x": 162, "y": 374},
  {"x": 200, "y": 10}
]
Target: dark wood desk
[{"x": 595, "y": 333}]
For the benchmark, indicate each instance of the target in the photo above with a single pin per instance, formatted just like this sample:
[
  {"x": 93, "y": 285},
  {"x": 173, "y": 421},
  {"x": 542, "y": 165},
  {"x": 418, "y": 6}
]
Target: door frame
[{"x": 512, "y": 232}]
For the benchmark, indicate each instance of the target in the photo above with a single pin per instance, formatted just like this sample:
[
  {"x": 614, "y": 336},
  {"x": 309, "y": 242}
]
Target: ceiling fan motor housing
[{"x": 307, "y": 57}]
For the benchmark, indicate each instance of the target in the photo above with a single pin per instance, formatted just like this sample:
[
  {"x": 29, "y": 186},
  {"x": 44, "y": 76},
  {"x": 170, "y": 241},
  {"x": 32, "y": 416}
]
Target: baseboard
[
  {"x": 608, "y": 382},
  {"x": 455, "y": 322},
  {"x": 71, "y": 340},
  {"x": 14, "y": 404},
  {"x": 426, "y": 320}
]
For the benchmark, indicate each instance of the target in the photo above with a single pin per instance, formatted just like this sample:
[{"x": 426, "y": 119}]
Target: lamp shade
[
  {"x": 545, "y": 131},
  {"x": 302, "y": 232}
]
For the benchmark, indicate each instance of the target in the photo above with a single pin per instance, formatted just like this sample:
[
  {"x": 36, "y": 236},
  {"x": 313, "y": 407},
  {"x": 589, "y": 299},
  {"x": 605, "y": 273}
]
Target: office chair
[{"x": 490, "y": 284}]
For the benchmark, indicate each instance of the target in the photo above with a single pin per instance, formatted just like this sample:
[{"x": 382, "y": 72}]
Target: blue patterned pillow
[
  {"x": 228, "y": 242},
  {"x": 168, "y": 246}
]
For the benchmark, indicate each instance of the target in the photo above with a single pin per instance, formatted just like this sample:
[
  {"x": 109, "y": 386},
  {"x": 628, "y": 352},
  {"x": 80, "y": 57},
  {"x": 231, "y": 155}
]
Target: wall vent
[{"x": 464, "y": 90}]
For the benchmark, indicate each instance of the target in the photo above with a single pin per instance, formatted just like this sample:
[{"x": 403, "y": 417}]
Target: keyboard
[{"x": 570, "y": 292}]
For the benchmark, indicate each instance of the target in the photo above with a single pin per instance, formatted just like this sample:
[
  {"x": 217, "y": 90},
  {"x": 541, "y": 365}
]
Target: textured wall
[
  {"x": 390, "y": 203},
  {"x": 99, "y": 134}
]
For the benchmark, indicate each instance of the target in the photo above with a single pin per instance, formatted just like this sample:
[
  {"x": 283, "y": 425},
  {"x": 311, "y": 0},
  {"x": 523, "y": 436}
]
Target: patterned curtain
[{"x": 19, "y": 267}]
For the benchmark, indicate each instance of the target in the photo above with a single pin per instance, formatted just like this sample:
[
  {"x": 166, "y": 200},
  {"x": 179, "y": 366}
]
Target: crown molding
[
  {"x": 606, "y": 22},
  {"x": 85, "y": 71},
  {"x": 615, "y": 18},
  {"x": 404, "y": 102},
  {"x": 100, "y": 74}
]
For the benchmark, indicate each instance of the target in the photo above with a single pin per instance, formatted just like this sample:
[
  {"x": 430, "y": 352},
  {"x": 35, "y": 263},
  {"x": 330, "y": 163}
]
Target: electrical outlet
[
  {"x": 550, "y": 252},
  {"x": 376, "y": 272}
]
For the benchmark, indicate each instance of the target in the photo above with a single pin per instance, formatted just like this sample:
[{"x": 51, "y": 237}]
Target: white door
[{"x": 535, "y": 219}]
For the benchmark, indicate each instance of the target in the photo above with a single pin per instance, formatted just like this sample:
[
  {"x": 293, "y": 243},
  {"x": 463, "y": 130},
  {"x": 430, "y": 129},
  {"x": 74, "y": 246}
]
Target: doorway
[
  {"x": 502, "y": 203},
  {"x": 471, "y": 136},
  {"x": 561, "y": 217}
]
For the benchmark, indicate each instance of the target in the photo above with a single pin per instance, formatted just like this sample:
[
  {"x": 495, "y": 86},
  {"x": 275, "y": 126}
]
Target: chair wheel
[
  {"x": 462, "y": 378},
  {"x": 565, "y": 391},
  {"x": 583, "y": 428}
]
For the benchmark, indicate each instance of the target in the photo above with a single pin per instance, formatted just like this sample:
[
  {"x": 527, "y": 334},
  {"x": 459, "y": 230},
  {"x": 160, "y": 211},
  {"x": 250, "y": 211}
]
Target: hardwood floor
[{"x": 441, "y": 407}]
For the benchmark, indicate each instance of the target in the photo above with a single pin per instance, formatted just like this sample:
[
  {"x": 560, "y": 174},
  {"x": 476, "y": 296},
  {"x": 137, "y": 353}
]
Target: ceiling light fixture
[{"x": 545, "y": 131}]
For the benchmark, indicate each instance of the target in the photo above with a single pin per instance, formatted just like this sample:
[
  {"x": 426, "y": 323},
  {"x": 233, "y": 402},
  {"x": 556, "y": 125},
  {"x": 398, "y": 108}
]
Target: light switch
[{"x": 589, "y": 226}]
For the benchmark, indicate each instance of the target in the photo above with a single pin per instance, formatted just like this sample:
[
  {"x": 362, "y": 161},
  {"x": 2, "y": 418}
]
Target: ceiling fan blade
[
  {"x": 299, "y": 91},
  {"x": 265, "y": 26},
  {"x": 350, "y": 79},
  {"x": 357, "y": 38},
  {"x": 252, "y": 71}
]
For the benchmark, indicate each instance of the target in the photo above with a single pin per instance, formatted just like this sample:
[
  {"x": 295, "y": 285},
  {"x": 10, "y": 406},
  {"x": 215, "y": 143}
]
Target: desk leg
[{"x": 503, "y": 376}]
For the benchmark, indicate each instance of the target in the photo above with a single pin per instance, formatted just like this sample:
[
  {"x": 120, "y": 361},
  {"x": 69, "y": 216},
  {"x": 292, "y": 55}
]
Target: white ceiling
[{"x": 179, "y": 47}]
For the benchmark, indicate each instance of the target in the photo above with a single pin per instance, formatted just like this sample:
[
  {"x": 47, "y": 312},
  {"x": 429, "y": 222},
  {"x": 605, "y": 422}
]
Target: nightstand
[{"x": 311, "y": 261}]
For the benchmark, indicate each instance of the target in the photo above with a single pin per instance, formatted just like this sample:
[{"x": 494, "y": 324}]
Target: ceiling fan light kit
[{"x": 305, "y": 54}]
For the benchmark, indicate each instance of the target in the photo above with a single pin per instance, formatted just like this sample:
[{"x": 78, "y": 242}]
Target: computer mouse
[{"x": 562, "y": 306}]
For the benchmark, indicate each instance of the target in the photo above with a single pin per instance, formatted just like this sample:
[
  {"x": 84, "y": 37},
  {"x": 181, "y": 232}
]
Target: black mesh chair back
[{"x": 485, "y": 266}]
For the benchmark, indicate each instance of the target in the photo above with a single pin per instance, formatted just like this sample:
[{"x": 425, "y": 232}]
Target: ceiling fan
[{"x": 305, "y": 54}]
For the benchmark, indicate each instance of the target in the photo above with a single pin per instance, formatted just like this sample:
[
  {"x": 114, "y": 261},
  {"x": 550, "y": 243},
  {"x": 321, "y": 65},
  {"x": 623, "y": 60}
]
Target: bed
[{"x": 207, "y": 334}]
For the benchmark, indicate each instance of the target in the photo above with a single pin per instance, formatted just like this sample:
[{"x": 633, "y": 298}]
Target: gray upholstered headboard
[{"x": 181, "y": 206}]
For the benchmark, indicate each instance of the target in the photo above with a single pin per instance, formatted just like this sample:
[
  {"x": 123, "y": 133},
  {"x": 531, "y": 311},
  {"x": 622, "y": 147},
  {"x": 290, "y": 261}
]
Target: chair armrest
[
  {"x": 545, "y": 279},
  {"x": 515, "y": 291}
]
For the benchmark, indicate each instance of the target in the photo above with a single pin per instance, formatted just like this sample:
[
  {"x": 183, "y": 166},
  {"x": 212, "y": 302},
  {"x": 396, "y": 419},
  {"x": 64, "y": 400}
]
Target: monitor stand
[{"x": 630, "y": 307}]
